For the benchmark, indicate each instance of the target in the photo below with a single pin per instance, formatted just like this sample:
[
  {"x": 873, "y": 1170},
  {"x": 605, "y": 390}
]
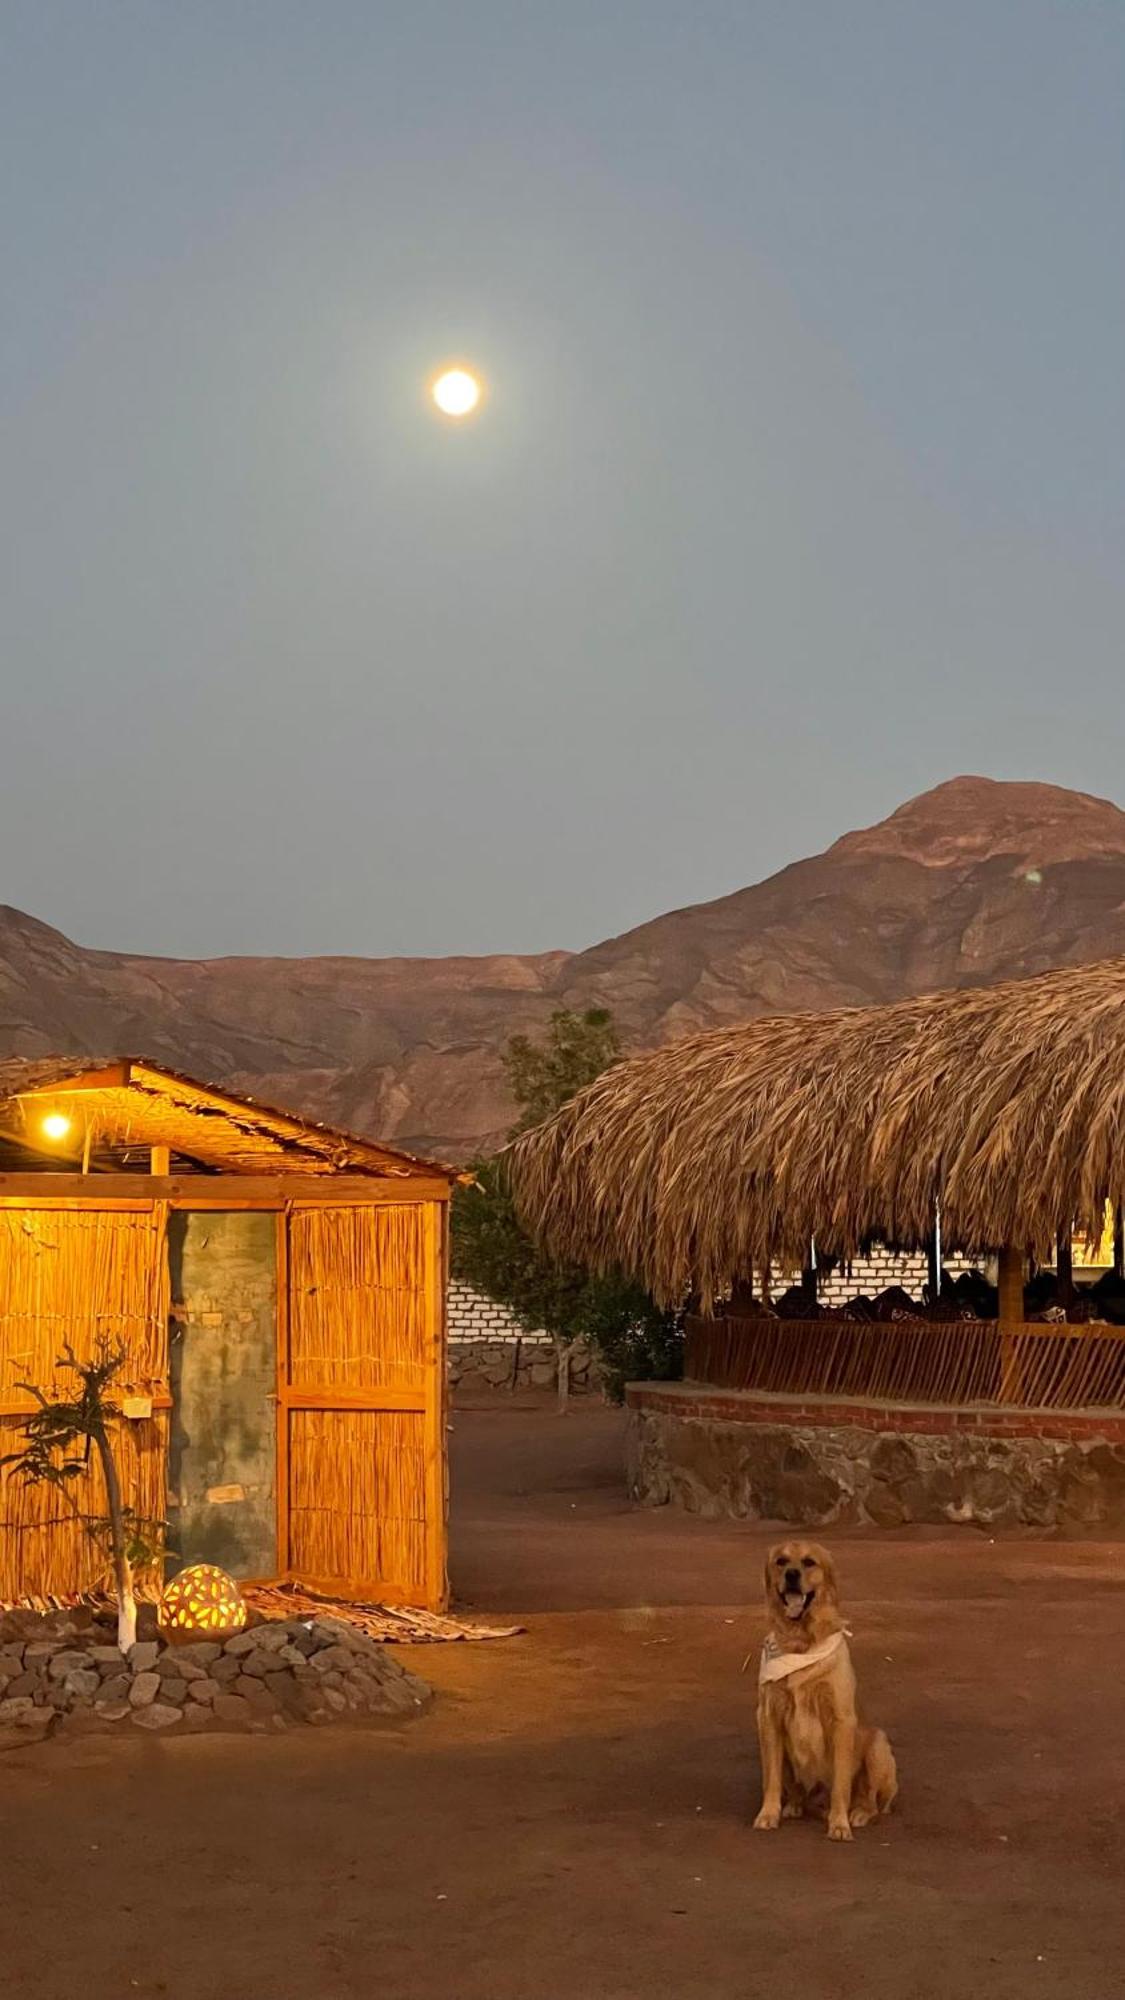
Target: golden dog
[{"x": 814, "y": 1750}]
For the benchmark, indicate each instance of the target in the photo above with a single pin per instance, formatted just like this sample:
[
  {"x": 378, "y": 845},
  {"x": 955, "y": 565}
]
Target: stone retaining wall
[
  {"x": 489, "y": 1350},
  {"x": 521, "y": 1362},
  {"x": 822, "y": 1463}
]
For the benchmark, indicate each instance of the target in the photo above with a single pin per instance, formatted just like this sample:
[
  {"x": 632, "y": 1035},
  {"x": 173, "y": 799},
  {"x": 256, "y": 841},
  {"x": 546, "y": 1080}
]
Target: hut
[
  {"x": 278, "y": 1290},
  {"x": 996, "y": 1115}
]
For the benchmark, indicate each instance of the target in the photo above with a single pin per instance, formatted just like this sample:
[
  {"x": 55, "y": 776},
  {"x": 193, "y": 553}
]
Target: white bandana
[{"x": 777, "y": 1666}]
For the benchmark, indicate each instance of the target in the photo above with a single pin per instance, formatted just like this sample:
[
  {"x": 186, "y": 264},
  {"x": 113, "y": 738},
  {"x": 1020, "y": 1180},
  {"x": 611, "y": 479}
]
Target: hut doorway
[{"x": 222, "y": 1466}]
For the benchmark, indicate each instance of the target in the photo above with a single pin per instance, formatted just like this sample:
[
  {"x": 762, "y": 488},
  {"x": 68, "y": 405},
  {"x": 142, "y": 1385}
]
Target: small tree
[
  {"x": 495, "y": 1255},
  {"x": 53, "y": 1432}
]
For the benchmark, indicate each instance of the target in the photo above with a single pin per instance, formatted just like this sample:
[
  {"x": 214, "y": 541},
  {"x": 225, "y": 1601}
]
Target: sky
[{"x": 800, "y": 485}]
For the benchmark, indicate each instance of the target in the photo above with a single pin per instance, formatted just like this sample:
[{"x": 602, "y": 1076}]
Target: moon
[{"x": 456, "y": 392}]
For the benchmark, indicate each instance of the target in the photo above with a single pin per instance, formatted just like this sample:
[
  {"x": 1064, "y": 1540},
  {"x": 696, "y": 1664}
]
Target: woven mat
[{"x": 399, "y": 1626}]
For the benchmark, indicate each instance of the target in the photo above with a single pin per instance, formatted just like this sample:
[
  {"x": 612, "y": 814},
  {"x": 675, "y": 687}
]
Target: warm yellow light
[
  {"x": 56, "y": 1125},
  {"x": 202, "y": 1602},
  {"x": 456, "y": 392}
]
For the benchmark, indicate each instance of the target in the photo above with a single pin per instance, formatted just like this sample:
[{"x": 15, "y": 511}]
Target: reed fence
[
  {"x": 1055, "y": 1366},
  {"x": 73, "y": 1277}
]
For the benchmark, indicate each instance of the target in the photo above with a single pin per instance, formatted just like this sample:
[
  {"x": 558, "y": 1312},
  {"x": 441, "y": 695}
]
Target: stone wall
[
  {"x": 822, "y": 1463},
  {"x": 488, "y": 1350}
]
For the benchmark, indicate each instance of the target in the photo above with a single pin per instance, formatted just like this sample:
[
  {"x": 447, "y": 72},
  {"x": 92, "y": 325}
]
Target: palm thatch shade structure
[{"x": 694, "y": 1165}]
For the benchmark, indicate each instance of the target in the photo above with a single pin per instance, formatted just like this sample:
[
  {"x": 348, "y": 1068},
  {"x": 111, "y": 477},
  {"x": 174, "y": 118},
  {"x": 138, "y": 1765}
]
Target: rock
[
  {"x": 225, "y": 1668},
  {"x": 271, "y": 1638},
  {"x": 231, "y": 1708},
  {"x": 203, "y": 1691},
  {"x": 243, "y": 1642},
  {"x": 157, "y": 1715},
  {"x": 28, "y": 1729},
  {"x": 259, "y": 1663},
  {"x": 116, "y": 1688},
  {"x": 173, "y": 1668},
  {"x": 81, "y": 1685},
  {"x": 262, "y": 1704},
  {"x": 292, "y": 1656},
  {"x": 336, "y": 1659},
  {"x": 173, "y": 1692},
  {"x": 40, "y": 1654},
  {"x": 199, "y": 1653},
  {"x": 144, "y": 1690},
  {"x": 335, "y": 1699},
  {"x": 110, "y": 1657},
  {"x": 112, "y": 1711},
  {"x": 66, "y": 1662},
  {"x": 15, "y": 1706},
  {"x": 26, "y": 1683},
  {"x": 143, "y": 1656},
  {"x": 197, "y": 1718}
]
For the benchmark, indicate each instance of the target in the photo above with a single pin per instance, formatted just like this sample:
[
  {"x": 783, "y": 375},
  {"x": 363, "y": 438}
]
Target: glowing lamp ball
[{"x": 202, "y": 1602}]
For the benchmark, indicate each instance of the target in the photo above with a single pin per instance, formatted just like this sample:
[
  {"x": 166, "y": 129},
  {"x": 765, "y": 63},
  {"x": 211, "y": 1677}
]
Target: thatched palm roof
[{"x": 691, "y": 1166}]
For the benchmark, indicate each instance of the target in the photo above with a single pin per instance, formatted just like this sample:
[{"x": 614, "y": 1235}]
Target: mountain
[{"x": 972, "y": 882}]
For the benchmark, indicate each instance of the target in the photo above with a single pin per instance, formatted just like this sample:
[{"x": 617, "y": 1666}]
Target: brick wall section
[
  {"x": 472, "y": 1317},
  {"x": 875, "y": 1273},
  {"x": 733, "y": 1406}
]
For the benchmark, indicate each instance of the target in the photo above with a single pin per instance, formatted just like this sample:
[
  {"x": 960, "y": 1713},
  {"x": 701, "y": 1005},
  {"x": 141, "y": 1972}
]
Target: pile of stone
[{"x": 63, "y": 1668}]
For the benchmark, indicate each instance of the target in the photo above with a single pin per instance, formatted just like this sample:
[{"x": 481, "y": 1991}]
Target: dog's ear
[
  {"x": 828, "y": 1571},
  {"x": 767, "y": 1573}
]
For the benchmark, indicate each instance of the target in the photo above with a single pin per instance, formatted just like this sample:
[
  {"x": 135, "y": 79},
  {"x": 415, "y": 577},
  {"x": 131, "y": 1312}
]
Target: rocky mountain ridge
[{"x": 975, "y": 881}]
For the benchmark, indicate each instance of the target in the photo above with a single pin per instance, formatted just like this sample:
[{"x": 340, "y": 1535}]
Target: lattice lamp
[{"x": 202, "y": 1602}]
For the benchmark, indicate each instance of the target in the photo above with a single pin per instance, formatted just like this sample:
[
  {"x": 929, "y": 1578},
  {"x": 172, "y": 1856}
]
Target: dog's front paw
[
  {"x": 839, "y": 1829},
  {"x": 768, "y": 1820},
  {"x": 793, "y": 1809}
]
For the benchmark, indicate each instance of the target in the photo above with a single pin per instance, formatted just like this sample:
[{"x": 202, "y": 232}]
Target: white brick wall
[
  {"x": 472, "y": 1317},
  {"x": 882, "y": 1268}
]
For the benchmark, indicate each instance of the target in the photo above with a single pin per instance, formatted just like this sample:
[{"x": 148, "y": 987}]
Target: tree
[
  {"x": 495, "y": 1255},
  {"x": 56, "y": 1429}
]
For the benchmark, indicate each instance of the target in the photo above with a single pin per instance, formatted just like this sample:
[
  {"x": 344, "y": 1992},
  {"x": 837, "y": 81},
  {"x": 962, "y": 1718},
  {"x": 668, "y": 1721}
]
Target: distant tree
[{"x": 493, "y": 1254}]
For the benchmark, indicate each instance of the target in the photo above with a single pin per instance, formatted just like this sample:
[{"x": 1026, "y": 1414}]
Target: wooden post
[
  {"x": 159, "y": 1160},
  {"x": 1010, "y": 1314},
  {"x": 933, "y": 1266},
  {"x": 1064, "y": 1267},
  {"x": 767, "y": 1284}
]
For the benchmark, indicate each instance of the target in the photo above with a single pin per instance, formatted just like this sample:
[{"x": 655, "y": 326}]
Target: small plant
[{"x": 54, "y": 1431}]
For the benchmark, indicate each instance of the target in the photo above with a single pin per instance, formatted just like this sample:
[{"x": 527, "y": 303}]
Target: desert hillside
[{"x": 974, "y": 881}]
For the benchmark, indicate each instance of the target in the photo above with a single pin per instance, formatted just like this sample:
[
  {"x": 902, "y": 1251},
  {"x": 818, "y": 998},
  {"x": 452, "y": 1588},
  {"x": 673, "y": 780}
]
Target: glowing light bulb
[{"x": 56, "y": 1125}]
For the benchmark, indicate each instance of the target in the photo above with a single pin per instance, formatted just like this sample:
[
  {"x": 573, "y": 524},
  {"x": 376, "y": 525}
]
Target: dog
[{"x": 815, "y": 1752}]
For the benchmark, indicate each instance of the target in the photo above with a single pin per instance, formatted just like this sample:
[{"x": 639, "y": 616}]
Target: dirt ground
[{"x": 572, "y": 1817}]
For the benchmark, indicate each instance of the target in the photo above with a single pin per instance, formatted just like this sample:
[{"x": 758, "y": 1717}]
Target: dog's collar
[{"x": 777, "y": 1666}]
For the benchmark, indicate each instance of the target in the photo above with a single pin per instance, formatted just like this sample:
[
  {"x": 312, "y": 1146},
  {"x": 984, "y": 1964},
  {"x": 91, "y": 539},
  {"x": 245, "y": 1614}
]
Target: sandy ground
[{"x": 572, "y": 1818}]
